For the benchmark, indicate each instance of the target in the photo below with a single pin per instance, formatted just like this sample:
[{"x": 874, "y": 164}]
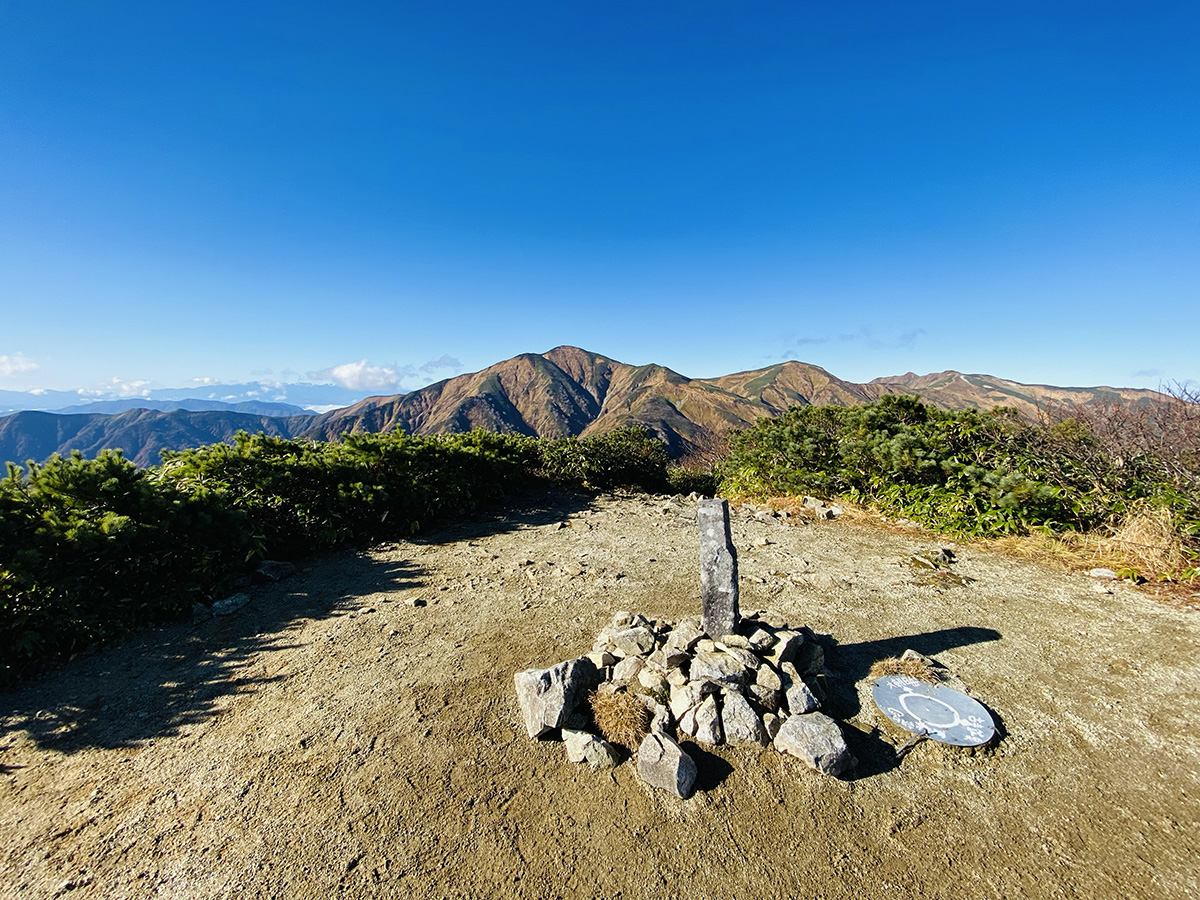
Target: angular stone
[
  {"x": 582, "y": 746},
  {"x": 689, "y": 696},
  {"x": 767, "y": 698},
  {"x": 621, "y": 620},
  {"x": 660, "y": 719},
  {"x": 602, "y": 659},
  {"x": 718, "y": 568},
  {"x": 637, "y": 641},
  {"x": 772, "y": 723},
  {"x": 768, "y": 677},
  {"x": 800, "y": 699},
  {"x": 816, "y": 739},
  {"x": 627, "y": 669},
  {"x": 729, "y": 641},
  {"x": 548, "y": 696},
  {"x": 708, "y": 722},
  {"x": 740, "y": 721},
  {"x": 787, "y": 645},
  {"x": 663, "y": 764},
  {"x": 718, "y": 666},
  {"x": 230, "y": 604},
  {"x": 760, "y": 639},
  {"x": 670, "y": 657},
  {"x": 676, "y": 678},
  {"x": 684, "y": 636},
  {"x": 653, "y": 680}
]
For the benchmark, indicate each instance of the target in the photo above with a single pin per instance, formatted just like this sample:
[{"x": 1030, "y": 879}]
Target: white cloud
[
  {"x": 122, "y": 388},
  {"x": 361, "y": 376},
  {"x": 18, "y": 364}
]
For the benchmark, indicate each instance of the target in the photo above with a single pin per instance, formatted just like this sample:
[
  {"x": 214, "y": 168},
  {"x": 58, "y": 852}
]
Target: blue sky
[{"x": 384, "y": 194}]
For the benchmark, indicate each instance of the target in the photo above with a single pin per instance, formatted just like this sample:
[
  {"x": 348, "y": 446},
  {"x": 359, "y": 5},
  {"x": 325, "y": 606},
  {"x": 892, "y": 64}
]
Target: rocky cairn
[{"x": 759, "y": 685}]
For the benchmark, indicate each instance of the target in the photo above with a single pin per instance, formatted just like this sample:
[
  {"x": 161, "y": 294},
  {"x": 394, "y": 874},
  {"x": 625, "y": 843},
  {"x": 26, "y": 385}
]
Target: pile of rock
[{"x": 760, "y": 685}]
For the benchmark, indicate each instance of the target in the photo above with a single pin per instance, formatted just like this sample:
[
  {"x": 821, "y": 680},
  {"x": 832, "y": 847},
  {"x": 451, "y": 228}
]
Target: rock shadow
[
  {"x": 167, "y": 678},
  {"x": 851, "y": 663},
  {"x": 711, "y": 769}
]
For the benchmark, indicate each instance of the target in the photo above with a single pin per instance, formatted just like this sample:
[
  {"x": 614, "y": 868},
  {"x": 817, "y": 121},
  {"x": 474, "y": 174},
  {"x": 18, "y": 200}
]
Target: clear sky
[{"x": 390, "y": 193}]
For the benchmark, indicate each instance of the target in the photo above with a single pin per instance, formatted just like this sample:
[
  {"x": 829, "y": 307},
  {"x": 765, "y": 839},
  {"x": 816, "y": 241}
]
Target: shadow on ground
[
  {"x": 171, "y": 677},
  {"x": 851, "y": 663},
  {"x": 168, "y": 678}
]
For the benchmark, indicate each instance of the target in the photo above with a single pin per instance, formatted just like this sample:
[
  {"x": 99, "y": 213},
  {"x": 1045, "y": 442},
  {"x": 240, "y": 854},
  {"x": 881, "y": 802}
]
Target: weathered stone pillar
[{"x": 718, "y": 569}]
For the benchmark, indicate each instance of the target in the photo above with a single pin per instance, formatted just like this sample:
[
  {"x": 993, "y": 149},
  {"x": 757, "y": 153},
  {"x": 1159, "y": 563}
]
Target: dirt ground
[{"x": 334, "y": 739}]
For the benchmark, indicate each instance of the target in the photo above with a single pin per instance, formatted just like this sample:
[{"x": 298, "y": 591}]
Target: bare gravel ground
[{"x": 333, "y": 739}]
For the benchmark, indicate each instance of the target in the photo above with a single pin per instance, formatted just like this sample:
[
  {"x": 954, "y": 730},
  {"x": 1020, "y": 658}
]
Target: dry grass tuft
[
  {"x": 621, "y": 717},
  {"x": 1148, "y": 543},
  {"x": 914, "y": 668}
]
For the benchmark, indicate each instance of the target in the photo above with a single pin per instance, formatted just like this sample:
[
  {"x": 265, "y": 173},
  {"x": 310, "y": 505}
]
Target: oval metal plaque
[{"x": 942, "y": 713}]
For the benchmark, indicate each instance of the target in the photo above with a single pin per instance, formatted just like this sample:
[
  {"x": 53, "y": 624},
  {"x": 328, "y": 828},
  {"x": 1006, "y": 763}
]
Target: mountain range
[{"x": 565, "y": 391}]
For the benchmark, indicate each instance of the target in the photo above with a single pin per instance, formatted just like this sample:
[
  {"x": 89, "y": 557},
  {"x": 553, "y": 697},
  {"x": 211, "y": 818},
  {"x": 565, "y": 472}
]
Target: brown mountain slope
[
  {"x": 954, "y": 390},
  {"x": 571, "y": 391}
]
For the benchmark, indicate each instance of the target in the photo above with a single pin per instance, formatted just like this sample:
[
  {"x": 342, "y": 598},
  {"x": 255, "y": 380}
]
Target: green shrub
[
  {"x": 967, "y": 472},
  {"x": 92, "y": 549}
]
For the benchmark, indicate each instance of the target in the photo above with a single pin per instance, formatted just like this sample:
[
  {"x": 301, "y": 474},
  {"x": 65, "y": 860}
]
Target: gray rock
[
  {"x": 621, "y": 620},
  {"x": 582, "y": 746},
  {"x": 1102, "y": 573},
  {"x": 689, "y": 696},
  {"x": 660, "y": 719},
  {"x": 230, "y": 604},
  {"x": 684, "y": 636},
  {"x": 663, "y": 764},
  {"x": 548, "y": 696},
  {"x": 636, "y": 641},
  {"x": 768, "y": 676},
  {"x": 769, "y": 699},
  {"x": 816, "y": 739},
  {"x": 627, "y": 669},
  {"x": 653, "y": 680},
  {"x": 800, "y": 699},
  {"x": 275, "y": 570},
  {"x": 676, "y": 678},
  {"x": 718, "y": 666},
  {"x": 741, "y": 722},
  {"x": 718, "y": 568},
  {"x": 732, "y": 641},
  {"x": 760, "y": 639},
  {"x": 200, "y": 613},
  {"x": 602, "y": 659},
  {"x": 787, "y": 645},
  {"x": 708, "y": 722},
  {"x": 772, "y": 723}
]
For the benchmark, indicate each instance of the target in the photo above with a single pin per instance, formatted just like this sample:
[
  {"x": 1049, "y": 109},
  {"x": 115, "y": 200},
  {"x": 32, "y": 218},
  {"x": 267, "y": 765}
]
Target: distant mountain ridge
[
  {"x": 254, "y": 407},
  {"x": 565, "y": 391},
  {"x": 139, "y": 433}
]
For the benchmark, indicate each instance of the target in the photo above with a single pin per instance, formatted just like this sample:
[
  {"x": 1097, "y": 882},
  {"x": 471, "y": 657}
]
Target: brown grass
[
  {"x": 914, "y": 668},
  {"x": 1148, "y": 543},
  {"x": 621, "y": 717}
]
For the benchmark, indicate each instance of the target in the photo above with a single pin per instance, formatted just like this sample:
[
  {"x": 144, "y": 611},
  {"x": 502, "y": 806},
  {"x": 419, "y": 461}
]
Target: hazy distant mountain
[
  {"x": 295, "y": 395},
  {"x": 254, "y": 407},
  {"x": 140, "y": 433},
  {"x": 566, "y": 391}
]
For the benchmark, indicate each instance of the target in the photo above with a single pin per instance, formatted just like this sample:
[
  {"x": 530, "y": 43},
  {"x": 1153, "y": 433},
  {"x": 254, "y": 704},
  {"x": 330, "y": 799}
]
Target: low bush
[
  {"x": 980, "y": 473},
  {"x": 93, "y": 549}
]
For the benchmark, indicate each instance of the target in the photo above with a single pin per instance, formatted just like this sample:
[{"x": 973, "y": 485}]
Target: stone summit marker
[{"x": 718, "y": 569}]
